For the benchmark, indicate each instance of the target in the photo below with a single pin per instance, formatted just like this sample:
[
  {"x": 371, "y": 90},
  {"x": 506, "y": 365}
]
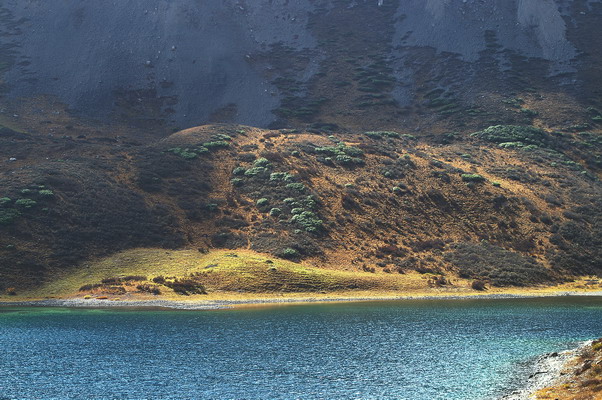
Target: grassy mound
[{"x": 185, "y": 272}]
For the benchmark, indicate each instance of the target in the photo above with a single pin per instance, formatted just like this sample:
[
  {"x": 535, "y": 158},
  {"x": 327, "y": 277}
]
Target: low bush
[
  {"x": 26, "y": 203},
  {"x": 527, "y": 135},
  {"x": 239, "y": 171},
  {"x": 501, "y": 267},
  {"x": 122, "y": 279},
  {"x": 342, "y": 154},
  {"x": 256, "y": 171},
  {"x": 473, "y": 178},
  {"x": 478, "y": 285},
  {"x": 186, "y": 286},
  {"x": 90, "y": 286},
  {"x": 296, "y": 186},
  {"x": 147, "y": 288},
  {"x": 218, "y": 144},
  {"x": 281, "y": 176},
  {"x": 8, "y": 216},
  {"x": 309, "y": 221},
  {"x": 382, "y": 134},
  {"x": 288, "y": 253},
  {"x": 263, "y": 202},
  {"x": 237, "y": 182},
  {"x": 186, "y": 154},
  {"x": 262, "y": 162}
]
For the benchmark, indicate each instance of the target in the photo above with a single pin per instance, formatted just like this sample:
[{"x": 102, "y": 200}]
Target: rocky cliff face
[{"x": 278, "y": 62}]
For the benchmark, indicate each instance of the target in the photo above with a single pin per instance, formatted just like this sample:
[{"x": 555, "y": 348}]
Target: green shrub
[
  {"x": 511, "y": 145},
  {"x": 255, "y": 171},
  {"x": 274, "y": 212},
  {"x": 237, "y": 182},
  {"x": 309, "y": 221},
  {"x": 4, "y": 200},
  {"x": 46, "y": 193},
  {"x": 262, "y": 162},
  {"x": 513, "y": 134},
  {"x": 296, "y": 186},
  {"x": 353, "y": 151},
  {"x": 26, "y": 203},
  {"x": 496, "y": 184},
  {"x": 340, "y": 150},
  {"x": 239, "y": 171},
  {"x": 288, "y": 253},
  {"x": 309, "y": 202},
  {"x": 472, "y": 178},
  {"x": 296, "y": 211},
  {"x": 7, "y": 216},
  {"x": 344, "y": 159},
  {"x": 281, "y": 176},
  {"x": 184, "y": 153},
  {"x": 215, "y": 145},
  {"x": 222, "y": 136},
  {"x": 263, "y": 202}
]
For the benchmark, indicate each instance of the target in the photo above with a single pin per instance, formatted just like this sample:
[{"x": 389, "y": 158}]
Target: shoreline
[
  {"x": 545, "y": 371},
  {"x": 222, "y": 304}
]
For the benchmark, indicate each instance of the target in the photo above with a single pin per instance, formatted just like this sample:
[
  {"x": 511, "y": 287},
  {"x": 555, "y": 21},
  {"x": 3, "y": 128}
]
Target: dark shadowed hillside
[{"x": 419, "y": 64}]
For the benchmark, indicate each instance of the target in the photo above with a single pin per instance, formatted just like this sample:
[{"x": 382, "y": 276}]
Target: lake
[{"x": 416, "y": 349}]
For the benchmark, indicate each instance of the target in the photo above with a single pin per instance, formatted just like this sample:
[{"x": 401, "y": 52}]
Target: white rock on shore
[{"x": 547, "y": 372}]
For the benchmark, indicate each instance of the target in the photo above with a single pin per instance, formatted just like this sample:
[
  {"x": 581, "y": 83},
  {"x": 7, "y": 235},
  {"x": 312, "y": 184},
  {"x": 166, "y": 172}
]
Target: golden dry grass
[
  {"x": 247, "y": 275},
  {"x": 226, "y": 271}
]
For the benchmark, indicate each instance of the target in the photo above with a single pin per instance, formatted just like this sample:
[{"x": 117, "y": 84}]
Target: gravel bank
[
  {"x": 223, "y": 304},
  {"x": 546, "y": 372}
]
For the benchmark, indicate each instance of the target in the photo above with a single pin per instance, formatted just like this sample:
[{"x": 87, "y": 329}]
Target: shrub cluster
[
  {"x": 147, "y": 288},
  {"x": 341, "y": 153},
  {"x": 218, "y": 141},
  {"x": 501, "y": 267},
  {"x": 8, "y": 216},
  {"x": 288, "y": 253},
  {"x": 186, "y": 286},
  {"x": 512, "y": 135},
  {"x": 308, "y": 220},
  {"x": 473, "y": 178}
]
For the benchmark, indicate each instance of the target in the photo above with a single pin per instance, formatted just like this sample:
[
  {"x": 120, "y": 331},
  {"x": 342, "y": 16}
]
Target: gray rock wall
[{"x": 181, "y": 61}]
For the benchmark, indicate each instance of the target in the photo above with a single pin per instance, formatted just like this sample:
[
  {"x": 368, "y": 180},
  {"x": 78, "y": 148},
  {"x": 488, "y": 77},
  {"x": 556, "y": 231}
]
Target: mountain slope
[{"x": 511, "y": 205}]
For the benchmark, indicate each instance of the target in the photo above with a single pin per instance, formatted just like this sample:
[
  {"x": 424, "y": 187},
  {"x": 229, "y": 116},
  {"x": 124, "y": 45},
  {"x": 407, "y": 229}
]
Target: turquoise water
[{"x": 413, "y": 350}]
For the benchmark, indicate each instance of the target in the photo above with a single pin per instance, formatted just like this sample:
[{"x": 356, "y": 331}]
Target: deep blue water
[{"x": 418, "y": 350}]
